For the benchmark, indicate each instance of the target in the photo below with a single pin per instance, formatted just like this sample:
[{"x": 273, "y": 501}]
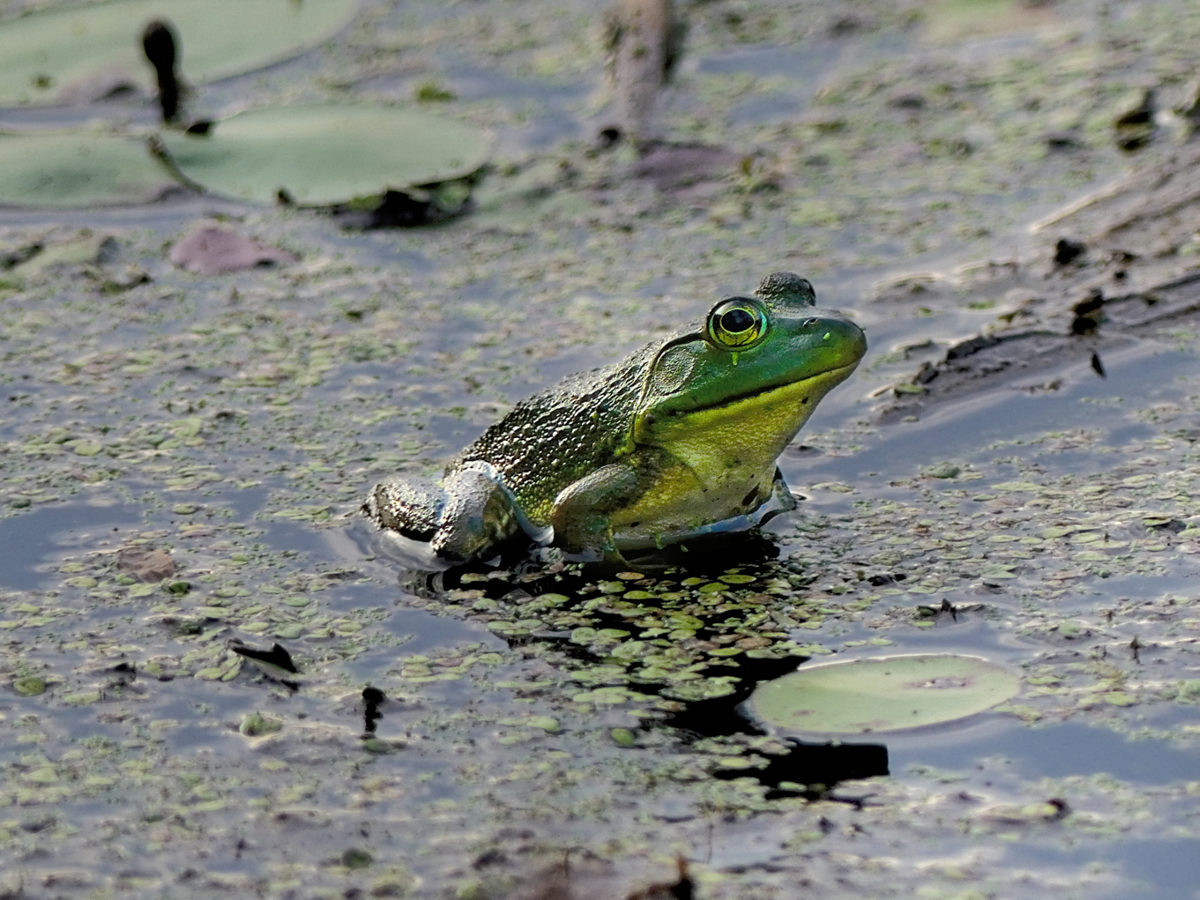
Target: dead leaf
[
  {"x": 146, "y": 563},
  {"x": 211, "y": 250}
]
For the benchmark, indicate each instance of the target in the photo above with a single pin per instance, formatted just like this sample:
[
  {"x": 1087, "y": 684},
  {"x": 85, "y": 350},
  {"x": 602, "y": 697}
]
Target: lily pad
[
  {"x": 882, "y": 694},
  {"x": 77, "y": 169},
  {"x": 53, "y": 55},
  {"x": 325, "y": 155}
]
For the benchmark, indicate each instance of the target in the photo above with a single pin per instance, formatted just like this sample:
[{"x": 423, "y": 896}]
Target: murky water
[{"x": 237, "y": 421}]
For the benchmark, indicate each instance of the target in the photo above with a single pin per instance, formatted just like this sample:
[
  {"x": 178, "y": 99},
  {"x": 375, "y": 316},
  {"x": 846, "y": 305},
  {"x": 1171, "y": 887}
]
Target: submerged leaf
[
  {"x": 210, "y": 250},
  {"x": 148, "y": 564},
  {"x": 883, "y": 694},
  {"x": 80, "y": 53},
  {"x": 324, "y": 155}
]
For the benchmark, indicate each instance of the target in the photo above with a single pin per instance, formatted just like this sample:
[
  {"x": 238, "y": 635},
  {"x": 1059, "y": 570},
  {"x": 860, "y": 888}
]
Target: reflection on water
[
  {"x": 35, "y": 540},
  {"x": 814, "y": 770}
]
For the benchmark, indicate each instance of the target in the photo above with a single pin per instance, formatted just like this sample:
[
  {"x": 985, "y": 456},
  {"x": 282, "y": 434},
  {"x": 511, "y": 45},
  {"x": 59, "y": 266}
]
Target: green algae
[{"x": 265, "y": 408}]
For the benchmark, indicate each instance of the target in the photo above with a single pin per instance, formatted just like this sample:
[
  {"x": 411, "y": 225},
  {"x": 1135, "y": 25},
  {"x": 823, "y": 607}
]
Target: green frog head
[{"x": 750, "y": 378}]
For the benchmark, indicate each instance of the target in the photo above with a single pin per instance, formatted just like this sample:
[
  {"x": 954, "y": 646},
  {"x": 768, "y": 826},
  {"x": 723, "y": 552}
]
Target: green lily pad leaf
[
  {"x": 62, "y": 55},
  {"x": 882, "y": 694},
  {"x": 77, "y": 170},
  {"x": 325, "y": 155}
]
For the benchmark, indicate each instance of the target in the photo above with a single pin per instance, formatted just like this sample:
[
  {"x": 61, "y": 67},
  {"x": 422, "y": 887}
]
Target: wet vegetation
[{"x": 216, "y": 680}]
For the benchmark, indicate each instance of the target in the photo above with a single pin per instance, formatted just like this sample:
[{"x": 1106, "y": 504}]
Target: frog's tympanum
[{"x": 678, "y": 441}]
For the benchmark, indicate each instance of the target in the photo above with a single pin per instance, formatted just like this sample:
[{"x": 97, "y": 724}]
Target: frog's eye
[{"x": 736, "y": 323}]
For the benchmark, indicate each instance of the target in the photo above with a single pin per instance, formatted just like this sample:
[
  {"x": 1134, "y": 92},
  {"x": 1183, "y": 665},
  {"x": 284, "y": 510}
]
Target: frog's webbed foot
[
  {"x": 409, "y": 507},
  {"x": 781, "y": 499}
]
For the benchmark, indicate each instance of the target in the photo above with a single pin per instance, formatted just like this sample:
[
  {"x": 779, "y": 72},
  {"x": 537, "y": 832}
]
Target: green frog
[{"x": 677, "y": 441}]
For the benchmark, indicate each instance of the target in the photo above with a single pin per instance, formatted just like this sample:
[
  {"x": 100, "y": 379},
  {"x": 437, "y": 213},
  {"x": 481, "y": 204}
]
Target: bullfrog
[{"x": 677, "y": 441}]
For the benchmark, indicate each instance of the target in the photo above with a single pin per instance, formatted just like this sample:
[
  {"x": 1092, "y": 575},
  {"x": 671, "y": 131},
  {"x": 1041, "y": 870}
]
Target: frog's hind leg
[
  {"x": 480, "y": 515},
  {"x": 411, "y": 508},
  {"x": 470, "y": 516}
]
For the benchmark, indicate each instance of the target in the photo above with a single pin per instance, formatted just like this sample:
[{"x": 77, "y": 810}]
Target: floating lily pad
[
  {"x": 883, "y": 694},
  {"x": 326, "y": 155},
  {"x": 51, "y": 56},
  {"x": 77, "y": 170}
]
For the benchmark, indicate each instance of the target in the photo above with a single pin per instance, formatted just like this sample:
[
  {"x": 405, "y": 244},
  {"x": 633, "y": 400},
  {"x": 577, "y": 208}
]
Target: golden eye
[{"x": 737, "y": 323}]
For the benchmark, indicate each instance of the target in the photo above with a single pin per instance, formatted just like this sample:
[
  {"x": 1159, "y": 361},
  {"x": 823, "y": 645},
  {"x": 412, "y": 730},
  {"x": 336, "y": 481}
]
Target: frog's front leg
[{"x": 582, "y": 511}]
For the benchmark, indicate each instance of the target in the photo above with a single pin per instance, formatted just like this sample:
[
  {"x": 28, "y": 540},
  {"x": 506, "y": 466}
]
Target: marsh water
[{"x": 579, "y": 732}]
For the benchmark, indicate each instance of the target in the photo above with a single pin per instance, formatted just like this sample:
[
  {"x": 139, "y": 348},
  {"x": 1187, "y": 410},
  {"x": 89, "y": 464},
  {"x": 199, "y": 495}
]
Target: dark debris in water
[
  {"x": 811, "y": 770},
  {"x": 412, "y": 208},
  {"x": 160, "y": 44},
  {"x": 277, "y": 656}
]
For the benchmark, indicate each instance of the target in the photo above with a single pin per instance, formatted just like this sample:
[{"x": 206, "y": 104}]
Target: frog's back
[{"x": 550, "y": 440}]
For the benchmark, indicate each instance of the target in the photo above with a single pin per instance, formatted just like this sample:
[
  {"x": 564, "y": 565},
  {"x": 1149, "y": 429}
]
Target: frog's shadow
[
  {"x": 527, "y": 570},
  {"x": 524, "y": 574}
]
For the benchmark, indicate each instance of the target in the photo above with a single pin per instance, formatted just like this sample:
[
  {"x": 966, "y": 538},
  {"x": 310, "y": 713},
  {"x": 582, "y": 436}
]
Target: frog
[{"x": 678, "y": 441}]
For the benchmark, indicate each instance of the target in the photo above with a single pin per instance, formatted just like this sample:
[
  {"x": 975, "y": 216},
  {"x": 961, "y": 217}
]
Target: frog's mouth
[
  {"x": 809, "y": 390},
  {"x": 822, "y": 381}
]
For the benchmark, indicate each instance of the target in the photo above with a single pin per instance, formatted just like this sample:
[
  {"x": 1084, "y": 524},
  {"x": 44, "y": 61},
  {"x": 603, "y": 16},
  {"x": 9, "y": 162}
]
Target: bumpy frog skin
[{"x": 677, "y": 441}]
